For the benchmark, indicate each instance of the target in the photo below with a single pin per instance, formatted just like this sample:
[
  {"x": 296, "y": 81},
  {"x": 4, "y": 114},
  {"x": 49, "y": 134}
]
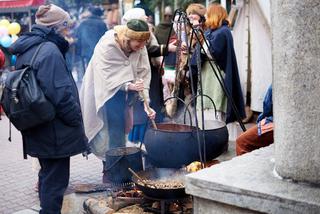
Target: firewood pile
[{"x": 133, "y": 202}]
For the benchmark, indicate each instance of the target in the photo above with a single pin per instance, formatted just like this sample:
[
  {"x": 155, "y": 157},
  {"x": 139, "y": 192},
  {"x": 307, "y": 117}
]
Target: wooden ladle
[{"x": 142, "y": 180}]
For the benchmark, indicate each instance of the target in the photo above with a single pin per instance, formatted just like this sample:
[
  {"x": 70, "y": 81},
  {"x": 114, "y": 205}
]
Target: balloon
[
  {"x": 13, "y": 60},
  {"x": 6, "y": 41},
  {"x": 14, "y": 38},
  {"x": 3, "y": 31},
  {"x": 4, "y": 22},
  {"x": 14, "y": 28},
  {"x": 2, "y": 59}
]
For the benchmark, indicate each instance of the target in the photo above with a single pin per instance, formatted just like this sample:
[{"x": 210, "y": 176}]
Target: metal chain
[
  {"x": 198, "y": 59},
  {"x": 178, "y": 59}
]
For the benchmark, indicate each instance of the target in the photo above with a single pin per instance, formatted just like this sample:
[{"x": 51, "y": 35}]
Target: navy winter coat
[{"x": 64, "y": 136}]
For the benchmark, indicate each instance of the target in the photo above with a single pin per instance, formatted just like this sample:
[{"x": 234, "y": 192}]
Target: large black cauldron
[{"x": 176, "y": 145}]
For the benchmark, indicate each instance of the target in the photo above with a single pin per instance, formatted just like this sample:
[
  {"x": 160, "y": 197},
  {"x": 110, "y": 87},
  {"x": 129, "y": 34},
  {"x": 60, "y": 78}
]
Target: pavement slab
[{"x": 17, "y": 179}]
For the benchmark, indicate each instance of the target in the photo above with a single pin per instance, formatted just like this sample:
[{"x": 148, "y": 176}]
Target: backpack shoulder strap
[{"x": 35, "y": 54}]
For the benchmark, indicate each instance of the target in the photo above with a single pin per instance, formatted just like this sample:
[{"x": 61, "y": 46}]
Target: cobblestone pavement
[{"x": 17, "y": 179}]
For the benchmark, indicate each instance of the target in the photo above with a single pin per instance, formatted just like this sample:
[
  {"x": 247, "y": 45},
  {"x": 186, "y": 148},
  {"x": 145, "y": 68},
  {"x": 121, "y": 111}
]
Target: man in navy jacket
[{"x": 53, "y": 142}]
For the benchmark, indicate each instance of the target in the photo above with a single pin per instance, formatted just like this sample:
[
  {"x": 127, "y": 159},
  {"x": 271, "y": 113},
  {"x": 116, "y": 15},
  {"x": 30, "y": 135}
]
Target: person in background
[
  {"x": 112, "y": 8},
  {"x": 54, "y": 142},
  {"x": 68, "y": 35},
  {"x": 220, "y": 51},
  {"x": 196, "y": 15},
  {"x": 88, "y": 33},
  {"x": 179, "y": 84},
  {"x": 141, "y": 4},
  {"x": 163, "y": 29},
  {"x": 261, "y": 134},
  {"x": 117, "y": 73}
]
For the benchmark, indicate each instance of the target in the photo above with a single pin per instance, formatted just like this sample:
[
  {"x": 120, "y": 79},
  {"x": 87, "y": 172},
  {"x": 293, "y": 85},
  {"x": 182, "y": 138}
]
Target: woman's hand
[
  {"x": 137, "y": 86},
  {"x": 150, "y": 112},
  {"x": 184, "y": 48},
  {"x": 172, "y": 46}
]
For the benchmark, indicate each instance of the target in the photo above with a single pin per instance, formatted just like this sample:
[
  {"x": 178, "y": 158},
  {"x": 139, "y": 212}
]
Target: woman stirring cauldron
[{"x": 117, "y": 71}]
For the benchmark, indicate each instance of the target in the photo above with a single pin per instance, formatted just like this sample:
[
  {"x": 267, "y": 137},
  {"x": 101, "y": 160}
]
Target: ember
[
  {"x": 131, "y": 194},
  {"x": 173, "y": 206}
]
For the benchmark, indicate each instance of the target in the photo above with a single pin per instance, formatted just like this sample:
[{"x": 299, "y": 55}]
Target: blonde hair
[
  {"x": 196, "y": 8},
  {"x": 216, "y": 14}
]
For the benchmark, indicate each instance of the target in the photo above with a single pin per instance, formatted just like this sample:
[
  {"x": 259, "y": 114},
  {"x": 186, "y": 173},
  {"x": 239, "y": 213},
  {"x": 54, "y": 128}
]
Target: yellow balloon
[
  {"x": 14, "y": 28},
  {"x": 4, "y": 22}
]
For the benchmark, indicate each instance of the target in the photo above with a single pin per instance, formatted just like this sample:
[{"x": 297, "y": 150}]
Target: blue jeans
[{"x": 116, "y": 122}]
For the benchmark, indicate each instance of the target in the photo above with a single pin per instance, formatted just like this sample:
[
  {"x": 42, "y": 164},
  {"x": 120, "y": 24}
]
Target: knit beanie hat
[
  {"x": 198, "y": 9},
  {"x": 137, "y": 30},
  {"x": 134, "y": 13},
  {"x": 52, "y": 15}
]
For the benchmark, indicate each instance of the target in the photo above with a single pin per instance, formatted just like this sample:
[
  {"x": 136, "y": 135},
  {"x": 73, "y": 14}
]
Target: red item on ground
[
  {"x": 250, "y": 140},
  {"x": 2, "y": 59}
]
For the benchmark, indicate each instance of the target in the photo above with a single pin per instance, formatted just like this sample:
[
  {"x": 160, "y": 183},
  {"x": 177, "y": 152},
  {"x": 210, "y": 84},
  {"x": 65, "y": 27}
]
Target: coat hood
[
  {"x": 38, "y": 35},
  {"x": 28, "y": 40}
]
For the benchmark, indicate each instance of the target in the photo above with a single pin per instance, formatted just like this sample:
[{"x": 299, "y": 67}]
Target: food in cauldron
[{"x": 162, "y": 184}]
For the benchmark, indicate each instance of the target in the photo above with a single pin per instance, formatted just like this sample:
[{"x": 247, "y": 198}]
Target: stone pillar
[{"x": 296, "y": 88}]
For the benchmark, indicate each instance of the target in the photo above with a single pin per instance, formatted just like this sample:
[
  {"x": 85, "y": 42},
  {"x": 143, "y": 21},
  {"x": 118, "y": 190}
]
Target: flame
[{"x": 196, "y": 165}]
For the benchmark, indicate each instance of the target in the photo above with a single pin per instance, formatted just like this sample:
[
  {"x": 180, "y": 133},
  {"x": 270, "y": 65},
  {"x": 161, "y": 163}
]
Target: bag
[{"x": 23, "y": 100}]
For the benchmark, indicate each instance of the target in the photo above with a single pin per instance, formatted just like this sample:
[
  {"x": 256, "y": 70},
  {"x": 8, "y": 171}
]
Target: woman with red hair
[{"x": 220, "y": 51}]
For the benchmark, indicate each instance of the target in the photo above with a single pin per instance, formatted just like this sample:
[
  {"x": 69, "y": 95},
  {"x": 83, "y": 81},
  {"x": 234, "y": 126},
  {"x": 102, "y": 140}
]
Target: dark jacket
[
  {"x": 267, "y": 107},
  {"x": 88, "y": 34},
  {"x": 222, "y": 49},
  {"x": 162, "y": 32},
  {"x": 64, "y": 136}
]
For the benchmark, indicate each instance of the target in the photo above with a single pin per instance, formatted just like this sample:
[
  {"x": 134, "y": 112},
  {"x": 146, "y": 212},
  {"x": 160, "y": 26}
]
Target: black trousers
[
  {"x": 114, "y": 109},
  {"x": 53, "y": 181}
]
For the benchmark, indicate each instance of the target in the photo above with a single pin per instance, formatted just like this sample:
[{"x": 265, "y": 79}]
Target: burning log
[{"x": 97, "y": 206}]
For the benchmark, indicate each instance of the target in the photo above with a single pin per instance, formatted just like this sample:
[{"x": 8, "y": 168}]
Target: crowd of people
[{"x": 125, "y": 82}]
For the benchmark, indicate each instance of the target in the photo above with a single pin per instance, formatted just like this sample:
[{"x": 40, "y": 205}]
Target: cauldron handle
[
  {"x": 186, "y": 105},
  {"x": 192, "y": 100},
  {"x": 114, "y": 163}
]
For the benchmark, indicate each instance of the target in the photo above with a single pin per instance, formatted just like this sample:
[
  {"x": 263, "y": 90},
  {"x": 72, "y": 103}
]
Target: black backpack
[{"x": 23, "y": 100}]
